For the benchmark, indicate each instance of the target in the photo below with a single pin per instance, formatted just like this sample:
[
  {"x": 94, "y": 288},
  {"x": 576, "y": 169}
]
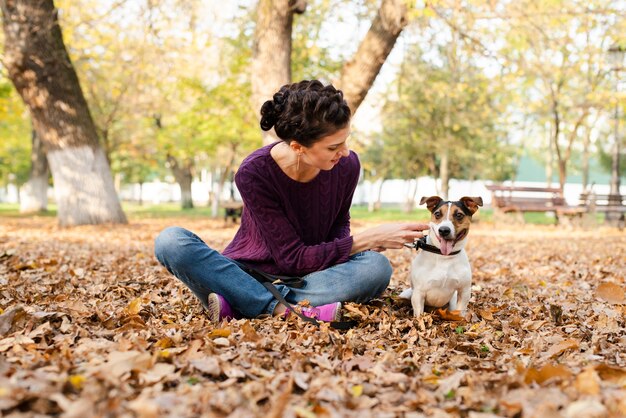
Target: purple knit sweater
[{"x": 289, "y": 227}]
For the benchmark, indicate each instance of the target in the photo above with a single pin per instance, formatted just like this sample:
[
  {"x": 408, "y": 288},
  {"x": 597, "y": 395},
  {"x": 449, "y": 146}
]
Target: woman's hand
[{"x": 387, "y": 236}]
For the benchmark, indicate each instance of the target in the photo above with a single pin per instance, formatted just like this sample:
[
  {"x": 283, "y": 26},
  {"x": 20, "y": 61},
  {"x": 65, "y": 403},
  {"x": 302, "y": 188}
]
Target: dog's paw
[{"x": 406, "y": 294}]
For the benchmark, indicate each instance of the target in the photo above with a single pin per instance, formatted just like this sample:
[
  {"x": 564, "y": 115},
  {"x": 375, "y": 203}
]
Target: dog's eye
[
  {"x": 437, "y": 214},
  {"x": 459, "y": 216}
]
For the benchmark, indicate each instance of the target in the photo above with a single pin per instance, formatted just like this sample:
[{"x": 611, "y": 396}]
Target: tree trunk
[
  {"x": 358, "y": 74},
  {"x": 184, "y": 177},
  {"x": 227, "y": 170},
  {"x": 34, "y": 196},
  {"x": 409, "y": 203},
  {"x": 217, "y": 194},
  {"x": 444, "y": 174},
  {"x": 40, "y": 68},
  {"x": 271, "y": 51},
  {"x": 585, "y": 157},
  {"x": 271, "y": 62},
  {"x": 379, "y": 196},
  {"x": 140, "y": 202}
]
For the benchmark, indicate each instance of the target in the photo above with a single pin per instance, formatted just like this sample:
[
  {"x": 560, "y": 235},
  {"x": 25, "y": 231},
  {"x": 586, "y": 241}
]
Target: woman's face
[{"x": 326, "y": 153}]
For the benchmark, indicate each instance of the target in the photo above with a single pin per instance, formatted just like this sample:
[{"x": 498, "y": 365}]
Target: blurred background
[{"x": 449, "y": 96}]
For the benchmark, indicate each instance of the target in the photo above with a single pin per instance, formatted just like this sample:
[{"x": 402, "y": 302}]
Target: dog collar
[{"x": 420, "y": 244}]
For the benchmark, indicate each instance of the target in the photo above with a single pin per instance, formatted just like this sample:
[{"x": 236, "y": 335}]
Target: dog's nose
[{"x": 444, "y": 231}]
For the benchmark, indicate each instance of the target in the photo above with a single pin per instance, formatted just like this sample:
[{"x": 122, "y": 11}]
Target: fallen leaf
[
  {"x": 546, "y": 373},
  {"x": 588, "y": 382},
  {"x": 449, "y": 315},
  {"x": 611, "y": 374},
  {"x": 220, "y": 332},
  {"x": 357, "y": 390},
  {"x": 207, "y": 365},
  {"x": 588, "y": 408},
  {"x": 121, "y": 363},
  {"x": 9, "y": 318},
  {"x": 134, "y": 307},
  {"x": 610, "y": 292},
  {"x": 485, "y": 314},
  {"x": 559, "y": 348},
  {"x": 249, "y": 334}
]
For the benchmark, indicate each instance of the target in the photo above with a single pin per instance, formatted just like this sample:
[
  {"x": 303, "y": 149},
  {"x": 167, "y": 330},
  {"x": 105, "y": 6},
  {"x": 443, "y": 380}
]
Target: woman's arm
[{"x": 387, "y": 236}]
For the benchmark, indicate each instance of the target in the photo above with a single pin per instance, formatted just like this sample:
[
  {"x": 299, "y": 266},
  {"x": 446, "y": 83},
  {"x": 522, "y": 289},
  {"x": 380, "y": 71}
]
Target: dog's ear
[
  {"x": 472, "y": 203},
  {"x": 431, "y": 202}
]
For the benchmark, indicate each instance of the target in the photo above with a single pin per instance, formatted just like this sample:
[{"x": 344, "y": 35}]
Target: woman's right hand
[{"x": 387, "y": 236}]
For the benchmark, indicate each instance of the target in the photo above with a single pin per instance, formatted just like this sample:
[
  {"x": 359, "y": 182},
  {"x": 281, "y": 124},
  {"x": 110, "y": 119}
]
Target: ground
[{"x": 91, "y": 325}]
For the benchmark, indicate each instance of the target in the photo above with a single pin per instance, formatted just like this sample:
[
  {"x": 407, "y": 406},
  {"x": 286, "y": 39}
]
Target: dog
[{"x": 441, "y": 272}]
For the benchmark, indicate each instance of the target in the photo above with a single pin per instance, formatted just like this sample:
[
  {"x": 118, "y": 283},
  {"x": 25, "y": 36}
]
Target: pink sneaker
[
  {"x": 219, "y": 309},
  {"x": 327, "y": 313}
]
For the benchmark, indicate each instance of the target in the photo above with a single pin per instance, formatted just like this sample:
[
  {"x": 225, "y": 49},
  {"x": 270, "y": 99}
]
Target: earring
[{"x": 298, "y": 163}]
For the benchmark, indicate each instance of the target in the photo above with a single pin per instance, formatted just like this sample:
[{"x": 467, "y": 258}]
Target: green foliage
[
  {"x": 216, "y": 124},
  {"x": 310, "y": 57},
  {"x": 436, "y": 108},
  {"x": 606, "y": 162},
  {"x": 15, "y": 132}
]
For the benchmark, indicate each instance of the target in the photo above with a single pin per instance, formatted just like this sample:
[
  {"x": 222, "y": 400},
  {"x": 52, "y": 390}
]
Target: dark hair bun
[
  {"x": 272, "y": 109},
  {"x": 306, "y": 112}
]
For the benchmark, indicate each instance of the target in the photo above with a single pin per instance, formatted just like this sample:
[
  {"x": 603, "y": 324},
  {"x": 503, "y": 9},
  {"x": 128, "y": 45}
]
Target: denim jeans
[{"x": 204, "y": 270}]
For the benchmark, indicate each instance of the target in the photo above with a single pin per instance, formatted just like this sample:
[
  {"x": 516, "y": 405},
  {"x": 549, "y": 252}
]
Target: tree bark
[
  {"x": 34, "y": 196},
  {"x": 227, "y": 170},
  {"x": 444, "y": 174},
  {"x": 358, "y": 74},
  {"x": 184, "y": 177},
  {"x": 271, "y": 51},
  {"x": 40, "y": 68}
]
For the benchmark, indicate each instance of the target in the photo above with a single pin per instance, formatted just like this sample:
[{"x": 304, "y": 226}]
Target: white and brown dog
[{"x": 441, "y": 272}]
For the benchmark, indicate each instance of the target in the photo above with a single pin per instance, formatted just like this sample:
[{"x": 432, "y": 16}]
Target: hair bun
[
  {"x": 272, "y": 109},
  {"x": 268, "y": 115}
]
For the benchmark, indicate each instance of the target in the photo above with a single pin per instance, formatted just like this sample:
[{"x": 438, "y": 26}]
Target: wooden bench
[
  {"x": 603, "y": 202},
  {"x": 612, "y": 205},
  {"x": 521, "y": 199},
  {"x": 232, "y": 210}
]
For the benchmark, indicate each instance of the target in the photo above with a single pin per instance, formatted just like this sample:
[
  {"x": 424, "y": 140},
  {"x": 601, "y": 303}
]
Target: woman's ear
[{"x": 296, "y": 146}]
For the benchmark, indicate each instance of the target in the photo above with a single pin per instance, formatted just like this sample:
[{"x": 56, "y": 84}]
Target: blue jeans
[{"x": 204, "y": 270}]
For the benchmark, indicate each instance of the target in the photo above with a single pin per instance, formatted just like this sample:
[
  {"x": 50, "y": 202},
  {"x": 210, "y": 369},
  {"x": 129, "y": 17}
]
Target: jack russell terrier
[{"x": 441, "y": 272}]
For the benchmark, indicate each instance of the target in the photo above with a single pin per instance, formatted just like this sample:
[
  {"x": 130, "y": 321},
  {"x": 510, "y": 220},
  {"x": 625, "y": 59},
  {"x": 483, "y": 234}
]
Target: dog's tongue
[{"x": 446, "y": 246}]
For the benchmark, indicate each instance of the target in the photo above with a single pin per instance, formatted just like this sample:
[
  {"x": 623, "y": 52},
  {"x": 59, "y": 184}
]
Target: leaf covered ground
[{"x": 91, "y": 325}]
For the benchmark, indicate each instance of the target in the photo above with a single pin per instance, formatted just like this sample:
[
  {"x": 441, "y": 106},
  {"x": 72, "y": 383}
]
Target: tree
[
  {"x": 271, "y": 62},
  {"x": 34, "y": 195},
  {"x": 14, "y": 131},
  {"x": 42, "y": 72},
  {"x": 441, "y": 119}
]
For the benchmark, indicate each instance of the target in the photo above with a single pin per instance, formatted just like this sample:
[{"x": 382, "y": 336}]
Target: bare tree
[{"x": 42, "y": 72}]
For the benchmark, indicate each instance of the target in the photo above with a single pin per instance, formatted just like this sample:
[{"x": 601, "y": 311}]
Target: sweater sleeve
[
  {"x": 341, "y": 227},
  {"x": 290, "y": 254}
]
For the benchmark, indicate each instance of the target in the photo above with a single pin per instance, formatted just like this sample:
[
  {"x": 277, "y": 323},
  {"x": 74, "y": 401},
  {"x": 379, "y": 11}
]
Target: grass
[{"x": 358, "y": 212}]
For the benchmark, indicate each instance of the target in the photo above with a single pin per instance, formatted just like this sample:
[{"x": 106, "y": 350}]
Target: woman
[{"x": 296, "y": 219}]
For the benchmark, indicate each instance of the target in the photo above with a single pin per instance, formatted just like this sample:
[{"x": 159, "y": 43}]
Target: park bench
[
  {"x": 232, "y": 210},
  {"x": 603, "y": 202},
  {"x": 521, "y": 199}
]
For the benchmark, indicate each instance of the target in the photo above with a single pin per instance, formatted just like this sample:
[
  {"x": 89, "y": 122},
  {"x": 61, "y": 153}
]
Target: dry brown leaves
[{"x": 90, "y": 325}]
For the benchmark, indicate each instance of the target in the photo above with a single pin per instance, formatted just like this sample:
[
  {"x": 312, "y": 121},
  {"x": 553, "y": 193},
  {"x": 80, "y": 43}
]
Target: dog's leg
[
  {"x": 406, "y": 294},
  {"x": 453, "y": 299},
  {"x": 417, "y": 300},
  {"x": 464, "y": 298}
]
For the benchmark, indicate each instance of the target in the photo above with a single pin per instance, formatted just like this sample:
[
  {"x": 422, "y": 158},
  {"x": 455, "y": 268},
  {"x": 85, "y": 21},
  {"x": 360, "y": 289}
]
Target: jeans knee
[
  {"x": 167, "y": 241},
  {"x": 378, "y": 269}
]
